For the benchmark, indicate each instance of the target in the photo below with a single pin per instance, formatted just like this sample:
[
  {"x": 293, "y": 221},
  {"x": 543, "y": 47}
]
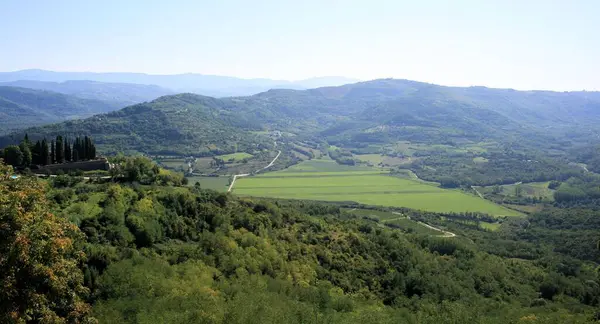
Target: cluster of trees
[
  {"x": 59, "y": 150},
  {"x": 40, "y": 267},
  {"x": 181, "y": 255},
  {"x": 342, "y": 156},
  {"x": 501, "y": 168},
  {"x": 142, "y": 170}
]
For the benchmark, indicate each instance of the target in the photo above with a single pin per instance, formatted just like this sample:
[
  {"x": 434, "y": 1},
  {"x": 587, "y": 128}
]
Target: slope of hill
[
  {"x": 183, "y": 124},
  {"x": 212, "y": 85},
  {"x": 384, "y": 110},
  {"x": 357, "y": 115},
  {"x": 21, "y": 107},
  {"x": 121, "y": 94}
]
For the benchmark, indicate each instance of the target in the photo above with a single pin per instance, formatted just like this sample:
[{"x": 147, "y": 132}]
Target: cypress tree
[
  {"x": 86, "y": 147},
  {"x": 36, "y": 153},
  {"x": 60, "y": 149},
  {"x": 52, "y": 153},
  {"x": 75, "y": 152},
  {"x": 92, "y": 150},
  {"x": 26, "y": 152},
  {"x": 44, "y": 155},
  {"x": 67, "y": 150}
]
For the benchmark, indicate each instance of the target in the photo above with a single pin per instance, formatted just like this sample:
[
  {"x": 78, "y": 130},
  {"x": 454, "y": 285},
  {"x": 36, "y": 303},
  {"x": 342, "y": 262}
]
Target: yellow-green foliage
[{"x": 235, "y": 156}]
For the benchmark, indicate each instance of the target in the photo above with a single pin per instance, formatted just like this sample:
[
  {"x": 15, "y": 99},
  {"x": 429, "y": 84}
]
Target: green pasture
[
  {"x": 214, "y": 183},
  {"x": 235, "y": 156},
  {"x": 317, "y": 180}
]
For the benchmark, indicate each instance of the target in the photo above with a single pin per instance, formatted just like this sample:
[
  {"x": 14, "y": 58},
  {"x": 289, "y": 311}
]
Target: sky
[{"x": 524, "y": 44}]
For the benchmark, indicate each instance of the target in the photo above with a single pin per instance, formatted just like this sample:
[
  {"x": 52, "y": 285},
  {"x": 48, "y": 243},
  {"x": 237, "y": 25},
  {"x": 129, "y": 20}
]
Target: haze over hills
[
  {"x": 120, "y": 94},
  {"x": 211, "y": 85},
  {"x": 22, "y": 107}
]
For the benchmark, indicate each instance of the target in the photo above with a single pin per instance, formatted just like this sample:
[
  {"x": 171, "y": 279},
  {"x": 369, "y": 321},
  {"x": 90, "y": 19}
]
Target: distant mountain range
[
  {"x": 210, "y": 85},
  {"x": 355, "y": 115},
  {"x": 118, "y": 94},
  {"x": 22, "y": 107}
]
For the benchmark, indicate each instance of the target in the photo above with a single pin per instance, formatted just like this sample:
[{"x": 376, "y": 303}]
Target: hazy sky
[{"x": 524, "y": 44}]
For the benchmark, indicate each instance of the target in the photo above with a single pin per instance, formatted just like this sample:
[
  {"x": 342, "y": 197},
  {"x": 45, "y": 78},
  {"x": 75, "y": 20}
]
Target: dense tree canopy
[{"x": 40, "y": 258}]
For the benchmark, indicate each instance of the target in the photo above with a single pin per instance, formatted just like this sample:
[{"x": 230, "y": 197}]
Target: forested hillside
[
  {"x": 184, "y": 124},
  {"x": 22, "y": 108},
  {"x": 383, "y": 111},
  {"x": 442, "y": 131},
  {"x": 154, "y": 251}
]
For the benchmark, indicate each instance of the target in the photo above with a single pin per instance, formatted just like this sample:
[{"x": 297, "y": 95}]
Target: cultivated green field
[
  {"x": 235, "y": 156},
  {"x": 214, "y": 183},
  {"x": 377, "y": 159},
  {"x": 327, "y": 181},
  {"x": 173, "y": 163}
]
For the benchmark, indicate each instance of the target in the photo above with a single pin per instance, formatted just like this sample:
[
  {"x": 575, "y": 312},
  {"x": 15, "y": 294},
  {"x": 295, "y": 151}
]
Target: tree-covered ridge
[
  {"x": 21, "y": 108},
  {"x": 158, "y": 252},
  {"x": 183, "y": 124},
  {"x": 374, "y": 112}
]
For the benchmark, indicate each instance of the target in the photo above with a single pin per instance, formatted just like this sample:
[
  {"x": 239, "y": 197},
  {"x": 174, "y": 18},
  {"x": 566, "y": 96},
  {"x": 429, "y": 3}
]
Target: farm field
[
  {"x": 531, "y": 189},
  {"x": 173, "y": 163},
  {"x": 214, "y": 183},
  {"x": 235, "y": 156},
  {"x": 377, "y": 159},
  {"x": 328, "y": 181}
]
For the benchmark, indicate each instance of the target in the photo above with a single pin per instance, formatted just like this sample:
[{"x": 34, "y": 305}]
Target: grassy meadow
[
  {"x": 214, "y": 183},
  {"x": 235, "y": 156},
  {"x": 326, "y": 180}
]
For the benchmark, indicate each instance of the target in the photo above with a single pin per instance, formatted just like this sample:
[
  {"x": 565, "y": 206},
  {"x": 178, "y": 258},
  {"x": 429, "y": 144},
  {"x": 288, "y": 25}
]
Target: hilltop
[
  {"x": 366, "y": 114},
  {"x": 181, "y": 124}
]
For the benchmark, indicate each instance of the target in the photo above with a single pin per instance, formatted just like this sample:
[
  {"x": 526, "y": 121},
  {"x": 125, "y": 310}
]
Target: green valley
[{"x": 315, "y": 180}]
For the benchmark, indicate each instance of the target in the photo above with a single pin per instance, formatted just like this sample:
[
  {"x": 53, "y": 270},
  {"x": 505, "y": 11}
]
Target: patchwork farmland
[{"x": 326, "y": 180}]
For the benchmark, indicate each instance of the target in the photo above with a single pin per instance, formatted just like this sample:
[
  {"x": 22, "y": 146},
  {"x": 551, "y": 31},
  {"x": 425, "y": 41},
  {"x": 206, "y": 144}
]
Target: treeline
[
  {"x": 342, "y": 156},
  {"x": 44, "y": 152},
  {"x": 499, "y": 168}
]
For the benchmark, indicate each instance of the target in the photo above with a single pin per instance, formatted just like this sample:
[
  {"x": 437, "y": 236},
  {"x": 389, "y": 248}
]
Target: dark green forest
[
  {"x": 141, "y": 248},
  {"x": 44, "y": 152}
]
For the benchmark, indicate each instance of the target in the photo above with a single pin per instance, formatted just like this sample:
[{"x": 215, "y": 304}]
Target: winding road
[
  {"x": 247, "y": 174},
  {"x": 445, "y": 233}
]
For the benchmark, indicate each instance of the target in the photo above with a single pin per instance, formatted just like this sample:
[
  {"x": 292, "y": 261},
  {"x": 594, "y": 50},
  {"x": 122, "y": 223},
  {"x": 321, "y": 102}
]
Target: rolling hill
[
  {"x": 183, "y": 124},
  {"x": 354, "y": 115},
  {"x": 21, "y": 108},
  {"x": 119, "y": 94}
]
